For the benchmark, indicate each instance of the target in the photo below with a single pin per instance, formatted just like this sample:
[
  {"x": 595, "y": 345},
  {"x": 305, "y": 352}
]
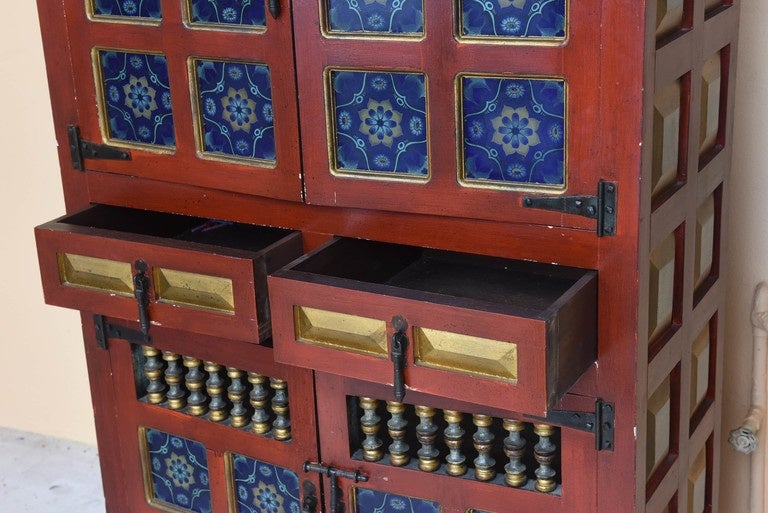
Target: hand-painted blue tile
[
  {"x": 179, "y": 471},
  {"x": 514, "y": 131},
  {"x": 128, "y": 8},
  {"x": 513, "y": 18},
  {"x": 244, "y": 13},
  {"x": 235, "y": 109},
  {"x": 376, "y": 16},
  {"x": 372, "y": 501},
  {"x": 137, "y": 97},
  {"x": 263, "y": 488},
  {"x": 380, "y": 122}
]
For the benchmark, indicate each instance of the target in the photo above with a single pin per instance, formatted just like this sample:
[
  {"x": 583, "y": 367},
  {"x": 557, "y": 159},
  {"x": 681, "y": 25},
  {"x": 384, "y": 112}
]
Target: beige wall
[
  {"x": 44, "y": 373},
  {"x": 45, "y": 386}
]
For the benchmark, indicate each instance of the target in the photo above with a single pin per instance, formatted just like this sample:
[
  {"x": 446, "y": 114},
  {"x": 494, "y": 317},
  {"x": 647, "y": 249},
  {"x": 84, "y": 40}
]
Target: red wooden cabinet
[{"x": 419, "y": 183}]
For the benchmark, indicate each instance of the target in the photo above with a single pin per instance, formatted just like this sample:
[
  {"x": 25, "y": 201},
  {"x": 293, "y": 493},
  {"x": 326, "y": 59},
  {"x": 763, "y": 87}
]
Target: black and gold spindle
[
  {"x": 370, "y": 423},
  {"x": 544, "y": 452},
  {"x": 195, "y": 381},
  {"x": 177, "y": 396},
  {"x": 217, "y": 408},
  {"x": 396, "y": 425},
  {"x": 514, "y": 448},
  {"x": 259, "y": 398},
  {"x": 426, "y": 434},
  {"x": 483, "y": 442},
  {"x": 282, "y": 424},
  {"x": 153, "y": 370},
  {"x": 236, "y": 395},
  {"x": 455, "y": 461}
]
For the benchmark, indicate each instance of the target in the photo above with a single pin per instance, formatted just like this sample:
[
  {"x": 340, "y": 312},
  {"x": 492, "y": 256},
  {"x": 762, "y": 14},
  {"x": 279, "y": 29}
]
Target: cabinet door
[
  {"x": 210, "y": 425},
  {"x": 432, "y": 454},
  {"x": 199, "y": 92},
  {"x": 457, "y": 109}
]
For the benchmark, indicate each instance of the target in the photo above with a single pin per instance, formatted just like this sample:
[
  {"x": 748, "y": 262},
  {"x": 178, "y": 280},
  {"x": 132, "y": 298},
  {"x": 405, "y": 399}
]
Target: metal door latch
[
  {"x": 334, "y": 474},
  {"x": 602, "y": 207}
]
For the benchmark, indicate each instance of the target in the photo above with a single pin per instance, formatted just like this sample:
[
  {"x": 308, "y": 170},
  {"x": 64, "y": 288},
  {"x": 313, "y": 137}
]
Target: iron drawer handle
[
  {"x": 399, "y": 347},
  {"x": 141, "y": 292},
  {"x": 274, "y": 8}
]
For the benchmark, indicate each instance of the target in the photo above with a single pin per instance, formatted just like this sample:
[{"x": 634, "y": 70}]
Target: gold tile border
[
  {"x": 330, "y": 115},
  {"x": 508, "y": 40},
  {"x": 197, "y": 123},
  {"x": 328, "y": 33},
  {"x": 186, "y": 16},
  {"x": 101, "y": 104},
  {"x": 90, "y": 12},
  {"x": 504, "y": 186}
]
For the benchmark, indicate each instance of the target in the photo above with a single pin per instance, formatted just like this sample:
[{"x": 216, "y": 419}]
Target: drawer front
[
  {"x": 188, "y": 286},
  {"x": 482, "y": 357}
]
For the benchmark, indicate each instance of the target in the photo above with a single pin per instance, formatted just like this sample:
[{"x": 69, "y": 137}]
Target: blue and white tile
[
  {"x": 238, "y": 13},
  {"x": 373, "y": 501},
  {"x": 401, "y": 17},
  {"x": 514, "y": 130},
  {"x": 179, "y": 471},
  {"x": 137, "y": 97},
  {"x": 235, "y": 109},
  {"x": 128, "y": 8},
  {"x": 380, "y": 123},
  {"x": 514, "y": 18},
  {"x": 264, "y": 488}
]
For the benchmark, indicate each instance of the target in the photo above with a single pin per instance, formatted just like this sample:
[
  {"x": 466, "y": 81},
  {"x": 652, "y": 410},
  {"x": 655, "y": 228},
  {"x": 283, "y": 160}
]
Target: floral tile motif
[
  {"x": 372, "y": 501},
  {"x": 514, "y": 131},
  {"x": 235, "y": 109},
  {"x": 137, "y": 97},
  {"x": 243, "y": 13},
  {"x": 513, "y": 18},
  {"x": 380, "y": 123},
  {"x": 376, "y": 16},
  {"x": 263, "y": 488},
  {"x": 128, "y": 8},
  {"x": 179, "y": 472}
]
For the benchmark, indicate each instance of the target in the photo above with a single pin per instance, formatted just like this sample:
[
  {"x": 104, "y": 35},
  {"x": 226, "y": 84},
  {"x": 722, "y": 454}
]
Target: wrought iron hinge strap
[
  {"x": 81, "y": 149},
  {"x": 105, "y": 331},
  {"x": 601, "y": 422},
  {"x": 602, "y": 207}
]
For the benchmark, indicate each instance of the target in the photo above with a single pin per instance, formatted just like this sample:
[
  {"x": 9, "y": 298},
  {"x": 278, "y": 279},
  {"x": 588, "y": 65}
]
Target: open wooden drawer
[
  {"x": 502, "y": 333},
  {"x": 181, "y": 272}
]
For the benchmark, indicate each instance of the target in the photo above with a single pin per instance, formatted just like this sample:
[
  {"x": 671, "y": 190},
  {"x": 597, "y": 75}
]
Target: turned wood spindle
[
  {"x": 282, "y": 424},
  {"x": 370, "y": 423},
  {"x": 195, "y": 381},
  {"x": 153, "y": 370},
  {"x": 217, "y": 408},
  {"x": 455, "y": 461},
  {"x": 259, "y": 398},
  {"x": 514, "y": 449},
  {"x": 236, "y": 394},
  {"x": 174, "y": 372},
  {"x": 396, "y": 425},
  {"x": 544, "y": 452},
  {"x": 426, "y": 434},
  {"x": 483, "y": 442}
]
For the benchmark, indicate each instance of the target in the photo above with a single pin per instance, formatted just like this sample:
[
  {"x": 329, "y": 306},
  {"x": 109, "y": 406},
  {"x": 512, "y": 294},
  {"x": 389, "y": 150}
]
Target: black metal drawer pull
[
  {"x": 397, "y": 354},
  {"x": 141, "y": 292},
  {"x": 334, "y": 474},
  {"x": 274, "y": 8}
]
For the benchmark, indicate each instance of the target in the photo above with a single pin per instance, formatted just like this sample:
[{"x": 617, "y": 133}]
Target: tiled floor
[{"x": 46, "y": 475}]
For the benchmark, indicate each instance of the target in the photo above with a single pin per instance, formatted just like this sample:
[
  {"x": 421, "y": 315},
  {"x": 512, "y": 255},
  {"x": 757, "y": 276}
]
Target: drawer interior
[
  {"x": 172, "y": 226},
  {"x": 518, "y": 284}
]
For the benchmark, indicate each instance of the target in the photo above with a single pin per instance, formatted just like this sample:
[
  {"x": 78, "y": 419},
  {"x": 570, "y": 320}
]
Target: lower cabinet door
[
  {"x": 431, "y": 454},
  {"x": 210, "y": 425}
]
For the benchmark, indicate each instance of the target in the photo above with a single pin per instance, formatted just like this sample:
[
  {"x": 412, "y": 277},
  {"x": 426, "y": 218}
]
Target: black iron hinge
[
  {"x": 105, "y": 331},
  {"x": 601, "y": 422},
  {"x": 81, "y": 149},
  {"x": 602, "y": 207}
]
